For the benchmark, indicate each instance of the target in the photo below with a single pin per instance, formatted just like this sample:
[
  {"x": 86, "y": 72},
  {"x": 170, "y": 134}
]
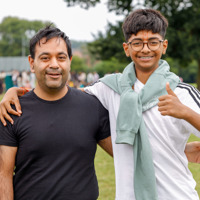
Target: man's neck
[{"x": 51, "y": 94}]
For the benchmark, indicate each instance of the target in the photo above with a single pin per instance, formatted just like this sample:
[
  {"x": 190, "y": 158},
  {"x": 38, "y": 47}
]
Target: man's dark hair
[
  {"x": 49, "y": 32},
  {"x": 144, "y": 19}
]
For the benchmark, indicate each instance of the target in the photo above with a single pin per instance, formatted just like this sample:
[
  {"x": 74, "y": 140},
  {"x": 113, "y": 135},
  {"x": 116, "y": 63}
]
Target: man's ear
[
  {"x": 165, "y": 45},
  {"x": 31, "y": 63},
  {"x": 126, "y": 49}
]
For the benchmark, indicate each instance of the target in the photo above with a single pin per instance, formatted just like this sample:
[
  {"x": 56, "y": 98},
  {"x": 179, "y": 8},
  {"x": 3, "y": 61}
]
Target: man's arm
[
  {"x": 106, "y": 144},
  {"x": 11, "y": 97},
  {"x": 171, "y": 105},
  {"x": 192, "y": 151},
  {"x": 7, "y": 163}
]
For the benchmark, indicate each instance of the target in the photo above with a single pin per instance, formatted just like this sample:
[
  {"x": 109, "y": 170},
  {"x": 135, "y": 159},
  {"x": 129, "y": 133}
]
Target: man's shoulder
[{"x": 27, "y": 96}]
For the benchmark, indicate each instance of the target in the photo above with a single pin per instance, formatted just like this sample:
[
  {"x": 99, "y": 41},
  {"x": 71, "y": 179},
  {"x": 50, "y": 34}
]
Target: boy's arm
[
  {"x": 11, "y": 97},
  {"x": 7, "y": 164},
  {"x": 171, "y": 105}
]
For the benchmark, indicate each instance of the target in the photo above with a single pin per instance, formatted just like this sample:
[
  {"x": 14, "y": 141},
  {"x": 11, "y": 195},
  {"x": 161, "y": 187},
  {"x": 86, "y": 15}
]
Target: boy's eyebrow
[{"x": 148, "y": 38}]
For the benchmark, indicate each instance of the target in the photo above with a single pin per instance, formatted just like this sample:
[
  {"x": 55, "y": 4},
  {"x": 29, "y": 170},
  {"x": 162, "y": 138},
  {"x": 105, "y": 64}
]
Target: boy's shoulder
[{"x": 188, "y": 93}]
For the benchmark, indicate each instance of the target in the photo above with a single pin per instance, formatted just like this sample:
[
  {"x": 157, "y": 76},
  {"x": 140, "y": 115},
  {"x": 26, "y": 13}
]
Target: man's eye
[
  {"x": 62, "y": 58},
  {"x": 45, "y": 58}
]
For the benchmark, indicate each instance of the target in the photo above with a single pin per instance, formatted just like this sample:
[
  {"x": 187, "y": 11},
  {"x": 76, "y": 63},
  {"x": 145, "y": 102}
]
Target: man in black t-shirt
[{"x": 53, "y": 144}]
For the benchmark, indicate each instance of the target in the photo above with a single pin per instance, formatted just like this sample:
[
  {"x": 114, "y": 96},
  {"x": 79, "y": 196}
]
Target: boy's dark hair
[
  {"x": 144, "y": 19},
  {"x": 48, "y": 32}
]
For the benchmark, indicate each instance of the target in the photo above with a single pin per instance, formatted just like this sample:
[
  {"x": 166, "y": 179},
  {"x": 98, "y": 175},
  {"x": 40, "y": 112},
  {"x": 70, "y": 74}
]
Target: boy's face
[{"x": 146, "y": 60}]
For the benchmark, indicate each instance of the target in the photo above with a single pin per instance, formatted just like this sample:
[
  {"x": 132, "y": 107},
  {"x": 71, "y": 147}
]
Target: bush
[{"x": 109, "y": 66}]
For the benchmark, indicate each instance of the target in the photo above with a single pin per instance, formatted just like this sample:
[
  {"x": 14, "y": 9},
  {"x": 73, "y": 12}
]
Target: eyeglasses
[{"x": 153, "y": 44}]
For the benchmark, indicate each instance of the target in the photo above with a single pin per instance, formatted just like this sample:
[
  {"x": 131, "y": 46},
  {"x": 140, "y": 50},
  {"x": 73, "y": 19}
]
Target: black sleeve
[
  {"x": 104, "y": 124},
  {"x": 7, "y": 135}
]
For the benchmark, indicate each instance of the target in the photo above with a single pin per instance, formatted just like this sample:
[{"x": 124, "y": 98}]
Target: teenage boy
[
  {"x": 136, "y": 122},
  {"x": 149, "y": 158},
  {"x": 53, "y": 156}
]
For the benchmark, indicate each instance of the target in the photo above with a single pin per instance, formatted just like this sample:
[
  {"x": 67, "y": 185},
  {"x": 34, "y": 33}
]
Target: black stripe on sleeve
[{"x": 195, "y": 94}]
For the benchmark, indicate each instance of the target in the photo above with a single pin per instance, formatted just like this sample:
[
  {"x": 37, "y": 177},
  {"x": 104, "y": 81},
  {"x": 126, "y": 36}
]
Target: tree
[
  {"x": 183, "y": 31},
  {"x": 118, "y": 6},
  {"x": 110, "y": 44},
  {"x": 109, "y": 66},
  {"x": 15, "y": 34},
  {"x": 78, "y": 64}
]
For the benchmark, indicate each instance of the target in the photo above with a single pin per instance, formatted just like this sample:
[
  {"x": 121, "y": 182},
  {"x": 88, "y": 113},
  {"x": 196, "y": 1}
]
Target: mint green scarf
[{"x": 131, "y": 128}]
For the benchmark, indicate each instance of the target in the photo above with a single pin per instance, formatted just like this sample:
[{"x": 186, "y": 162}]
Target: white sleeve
[
  {"x": 190, "y": 97},
  {"x": 101, "y": 91}
]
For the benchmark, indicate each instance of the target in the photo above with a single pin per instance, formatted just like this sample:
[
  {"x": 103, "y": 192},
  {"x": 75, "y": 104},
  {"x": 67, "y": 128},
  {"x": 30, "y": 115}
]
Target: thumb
[{"x": 169, "y": 90}]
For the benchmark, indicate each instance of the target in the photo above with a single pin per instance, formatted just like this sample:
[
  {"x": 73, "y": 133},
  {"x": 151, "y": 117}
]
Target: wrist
[
  {"x": 22, "y": 91},
  {"x": 187, "y": 113}
]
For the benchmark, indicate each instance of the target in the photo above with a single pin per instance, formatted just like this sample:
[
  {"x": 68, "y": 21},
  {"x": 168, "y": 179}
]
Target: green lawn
[{"x": 1, "y": 96}]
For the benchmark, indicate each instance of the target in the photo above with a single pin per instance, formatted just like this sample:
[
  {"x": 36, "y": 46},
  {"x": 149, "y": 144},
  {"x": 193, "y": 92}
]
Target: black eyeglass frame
[{"x": 145, "y": 43}]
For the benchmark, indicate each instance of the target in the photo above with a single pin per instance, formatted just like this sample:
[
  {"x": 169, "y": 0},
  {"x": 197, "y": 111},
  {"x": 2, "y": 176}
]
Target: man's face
[
  {"x": 145, "y": 59},
  {"x": 51, "y": 64}
]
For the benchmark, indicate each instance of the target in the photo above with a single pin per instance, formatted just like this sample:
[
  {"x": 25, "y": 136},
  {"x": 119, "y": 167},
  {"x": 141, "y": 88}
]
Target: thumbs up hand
[
  {"x": 170, "y": 104},
  {"x": 169, "y": 90}
]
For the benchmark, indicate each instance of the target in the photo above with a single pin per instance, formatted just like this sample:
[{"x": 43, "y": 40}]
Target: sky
[{"x": 79, "y": 24}]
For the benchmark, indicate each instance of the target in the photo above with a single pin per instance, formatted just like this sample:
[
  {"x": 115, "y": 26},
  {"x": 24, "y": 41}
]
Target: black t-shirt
[{"x": 56, "y": 143}]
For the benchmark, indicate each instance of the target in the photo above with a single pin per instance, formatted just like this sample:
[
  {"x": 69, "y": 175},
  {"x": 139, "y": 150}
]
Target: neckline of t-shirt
[
  {"x": 52, "y": 102},
  {"x": 138, "y": 85}
]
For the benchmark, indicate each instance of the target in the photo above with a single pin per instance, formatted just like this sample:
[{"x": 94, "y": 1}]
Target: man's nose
[{"x": 54, "y": 63}]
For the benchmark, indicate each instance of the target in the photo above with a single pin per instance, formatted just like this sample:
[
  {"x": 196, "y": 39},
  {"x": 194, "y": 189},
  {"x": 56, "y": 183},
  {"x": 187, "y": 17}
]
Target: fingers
[
  {"x": 164, "y": 113},
  {"x": 162, "y": 109},
  {"x": 2, "y": 119},
  {"x": 169, "y": 90},
  {"x": 18, "y": 107},
  {"x": 4, "y": 115},
  {"x": 10, "y": 110},
  {"x": 6, "y": 108}
]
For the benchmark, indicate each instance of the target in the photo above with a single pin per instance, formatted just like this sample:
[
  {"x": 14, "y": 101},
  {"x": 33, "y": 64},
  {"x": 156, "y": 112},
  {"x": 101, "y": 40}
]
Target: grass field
[{"x": 105, "y": 173}]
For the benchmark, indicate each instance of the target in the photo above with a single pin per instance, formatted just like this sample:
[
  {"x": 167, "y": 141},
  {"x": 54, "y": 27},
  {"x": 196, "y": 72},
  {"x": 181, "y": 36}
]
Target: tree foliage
[
  {"x": 78, "y": 64},
  {"x": 109, "y": 66},
  {"x": 82, "y": 3},
  {"x": 110, "y": 44},
  {"x": 15, "y": 34},
  {"x": 118, "y": 6},
  {"x": 183, "y": 31}
]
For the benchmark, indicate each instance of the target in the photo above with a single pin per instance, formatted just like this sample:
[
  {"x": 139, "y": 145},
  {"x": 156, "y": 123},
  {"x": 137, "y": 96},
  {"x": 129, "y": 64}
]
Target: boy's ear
[
  {"x": 31, "y": 63},
  {"x": 126, "y": 49},
  {"x": 165, "y": 45}
]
